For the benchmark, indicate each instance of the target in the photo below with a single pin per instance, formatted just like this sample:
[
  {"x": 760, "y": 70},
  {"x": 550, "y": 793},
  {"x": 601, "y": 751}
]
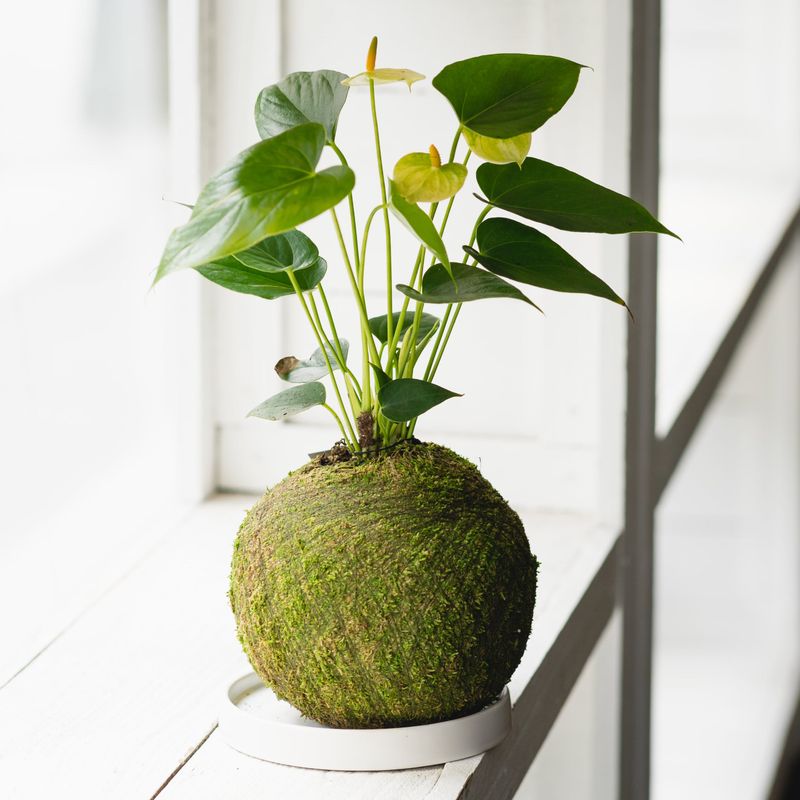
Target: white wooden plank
[
  {"x": 123, "y": 695},
  {"x": 66, "y": 561},
  {"x": 218, "y": 771}
]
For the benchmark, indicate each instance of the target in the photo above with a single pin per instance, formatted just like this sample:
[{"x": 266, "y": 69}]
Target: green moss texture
[{"x": 390, "y": 591}]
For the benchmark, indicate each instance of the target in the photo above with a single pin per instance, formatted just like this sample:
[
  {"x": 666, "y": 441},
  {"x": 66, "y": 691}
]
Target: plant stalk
[
  {"x": 386, "y": 225},
  {"x": 352, "y": 439}
]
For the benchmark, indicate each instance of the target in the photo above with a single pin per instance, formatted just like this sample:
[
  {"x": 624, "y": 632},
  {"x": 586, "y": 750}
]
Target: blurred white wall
[
  {"x": 727, "y": 649},
  {"x": 83, "y": 366},
  {"x": 730, "y": 170}
]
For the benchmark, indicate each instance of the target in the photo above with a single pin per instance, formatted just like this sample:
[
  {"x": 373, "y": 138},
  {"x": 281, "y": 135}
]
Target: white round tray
[{"x": 253, "y": 721}]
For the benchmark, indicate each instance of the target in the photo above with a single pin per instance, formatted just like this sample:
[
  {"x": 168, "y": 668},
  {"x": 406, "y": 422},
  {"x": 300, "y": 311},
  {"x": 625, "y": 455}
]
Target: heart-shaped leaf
[
  {"x": 419, "y": 181},
  {"x": 515, "y": 251},
  {"x": 555, "y": 196},
  {"x": 467, "y": 283},
  {"x": 268, "y": 189},
  {"x": 406, "y": 398},
  {"x": 380, "y": 330},
  {"x": 381, "y": 378},
  {"x": 234, "y": 275},
  {"x": 290, "y": 402},
  {"x": 507, "y": 94},
  {"x": 313, "y": 368},
  {"x": 419, "y": 223},
  {"x": 300, "y": 98},
  {"x": 499, "y": 151},
  {"x": 290, "y": 250},
  {"x": 384, "y": 75}
]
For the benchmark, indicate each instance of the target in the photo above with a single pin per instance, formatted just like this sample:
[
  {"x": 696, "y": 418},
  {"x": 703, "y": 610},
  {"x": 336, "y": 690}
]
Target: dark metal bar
[
  {"x": 671, "y": 448},
  {"x": 787, "y": 773},
  {"x": 640, "y": 498}
]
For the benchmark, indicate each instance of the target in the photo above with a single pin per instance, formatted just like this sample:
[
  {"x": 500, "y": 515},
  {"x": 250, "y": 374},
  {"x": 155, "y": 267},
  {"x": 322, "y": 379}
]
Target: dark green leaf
[
  {"x": 380, "y": 330},
  {"x": 313, "y": 368},
  {"x": 234, "y": 275},
  {"x": 555, "y": 196},
  {"x": 381, "y": 378},
  {"x": 467, "y": 283},
  {"x": 299, "y": 98},
  {"x": 507, "y": 94},
  {"x": 268, "y": 189},
  {"x": 290, "y": 250},
  {"x": 290, "y": 402},
  {"x": 406, "y": 398},
  {"x": 515, "y": 251},
  {"x": 418, "y": 222}
]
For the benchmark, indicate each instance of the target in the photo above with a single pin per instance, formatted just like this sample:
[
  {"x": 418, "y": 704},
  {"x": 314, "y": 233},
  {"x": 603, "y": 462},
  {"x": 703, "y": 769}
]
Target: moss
[{"x": 388, "y": 591}]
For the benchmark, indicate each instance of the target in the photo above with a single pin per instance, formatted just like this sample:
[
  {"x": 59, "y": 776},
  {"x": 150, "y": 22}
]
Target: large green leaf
[
  {"x": 234, "y": 275},
  {"x": 555, "y": 196},
  {"x": 290, "y": 250},
  {"x": 379, "y": 327},
  {"x": 268, "y": 189},
  {"x": 507, "y": 94},
  {"x": 418, "y": 222},
  {"x": 467, "y": 283},
  {"x": 290, "y": 402},
  {"x": 405, "y": 398},
  {"x": 515, "y": 251},
  {"x": 299, "y": 98},
  {"x": 313, "y": 368}
]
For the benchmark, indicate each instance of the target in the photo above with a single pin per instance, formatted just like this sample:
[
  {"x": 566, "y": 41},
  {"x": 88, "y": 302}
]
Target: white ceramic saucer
[{"x": 253, "y": 721}]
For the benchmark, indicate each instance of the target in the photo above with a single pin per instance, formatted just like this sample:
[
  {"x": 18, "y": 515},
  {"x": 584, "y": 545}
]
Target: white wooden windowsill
[{"x": 123, "y": 701}]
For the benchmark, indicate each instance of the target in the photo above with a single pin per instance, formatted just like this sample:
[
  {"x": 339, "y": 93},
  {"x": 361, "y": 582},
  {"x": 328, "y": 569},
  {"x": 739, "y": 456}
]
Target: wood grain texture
[{"x": 127, "y": 691}]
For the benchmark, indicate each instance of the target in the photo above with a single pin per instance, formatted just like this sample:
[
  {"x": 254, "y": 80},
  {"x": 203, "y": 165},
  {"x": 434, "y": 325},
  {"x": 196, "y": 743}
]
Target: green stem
[
  {"x": 299, "y": 293},
  {"x": 478, "y": 221},
  {"x": 441, "y": 340},
  {"x": 393, "y": 342},
  {"x": 386, "y": 225},
  {"x": 364, "y": 237},
  {"x": 338, "y": 420},
  {"x": 446, "y": 340},
  {"x": 366, "y": 377},
  {"x": 414, "y": 353},
  {"x": 352, "y": 209},
  {"x": 336, "y": 340},
  {"x": 362, "y": 308},
  {"x": 355, "y": 398},
  {"x": 439, "y": 337},
  {"x": 454, "y": 146}
]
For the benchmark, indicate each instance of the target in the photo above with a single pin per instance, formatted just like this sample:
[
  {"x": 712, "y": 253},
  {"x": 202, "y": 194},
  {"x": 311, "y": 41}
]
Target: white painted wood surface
[{"x": 126, "y": 694}]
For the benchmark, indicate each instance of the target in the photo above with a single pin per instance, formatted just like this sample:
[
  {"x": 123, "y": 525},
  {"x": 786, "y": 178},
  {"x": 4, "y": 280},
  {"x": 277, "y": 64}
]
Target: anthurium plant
[
  {"x": 387, "y": 582},
  {"x": 243, "y": 231}
]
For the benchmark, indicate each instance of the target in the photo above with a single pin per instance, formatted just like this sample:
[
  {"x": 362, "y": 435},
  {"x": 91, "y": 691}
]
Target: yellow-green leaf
[
  {"x": 499, "y": 151},
  {"x": 420, "y": 182},
  {"x": 384, "y": 75}
]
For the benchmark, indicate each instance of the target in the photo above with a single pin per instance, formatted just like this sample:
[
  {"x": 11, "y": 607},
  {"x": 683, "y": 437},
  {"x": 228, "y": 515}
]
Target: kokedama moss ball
[{"x": 388, "y": 591}]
